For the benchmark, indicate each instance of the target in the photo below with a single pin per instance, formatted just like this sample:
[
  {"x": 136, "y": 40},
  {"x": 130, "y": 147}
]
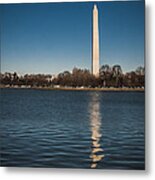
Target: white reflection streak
[{"x": 95, "y": 121}]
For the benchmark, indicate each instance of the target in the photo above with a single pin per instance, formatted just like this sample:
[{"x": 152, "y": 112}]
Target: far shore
[{"x": 76, "y": 88}]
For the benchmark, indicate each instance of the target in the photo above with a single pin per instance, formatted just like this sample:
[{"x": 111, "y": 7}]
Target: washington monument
[{"x": 95, "y": 43}]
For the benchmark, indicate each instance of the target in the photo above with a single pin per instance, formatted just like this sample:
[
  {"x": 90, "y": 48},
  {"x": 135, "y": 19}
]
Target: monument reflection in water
[{"x": 95, "y": 124}]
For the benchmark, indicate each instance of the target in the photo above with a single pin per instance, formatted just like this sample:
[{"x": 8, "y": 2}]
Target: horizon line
[{"x": 50, "y": 73}]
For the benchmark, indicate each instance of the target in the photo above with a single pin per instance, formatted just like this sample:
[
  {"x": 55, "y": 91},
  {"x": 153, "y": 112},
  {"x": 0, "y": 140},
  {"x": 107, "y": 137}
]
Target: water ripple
[{"x": 67, "y": 129}]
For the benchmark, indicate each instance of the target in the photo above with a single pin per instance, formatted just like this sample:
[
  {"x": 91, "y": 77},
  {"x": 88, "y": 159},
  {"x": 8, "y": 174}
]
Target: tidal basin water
[{"x": 72, "y": 129}]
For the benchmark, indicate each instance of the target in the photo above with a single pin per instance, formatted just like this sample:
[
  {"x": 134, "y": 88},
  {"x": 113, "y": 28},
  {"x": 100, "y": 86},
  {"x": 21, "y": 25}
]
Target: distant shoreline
[{"x": 78, "y": 88}]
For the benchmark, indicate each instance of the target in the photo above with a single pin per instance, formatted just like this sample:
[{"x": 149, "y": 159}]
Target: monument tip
[{"x": 95, "y": 6}]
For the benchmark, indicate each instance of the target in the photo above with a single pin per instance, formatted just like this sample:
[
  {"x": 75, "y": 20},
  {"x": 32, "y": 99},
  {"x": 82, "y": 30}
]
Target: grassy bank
[{"x": 78, "y": 88}]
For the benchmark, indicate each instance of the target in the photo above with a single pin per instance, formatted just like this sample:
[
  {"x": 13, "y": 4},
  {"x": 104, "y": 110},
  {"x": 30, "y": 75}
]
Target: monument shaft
[{"x": 95, "y": 46}]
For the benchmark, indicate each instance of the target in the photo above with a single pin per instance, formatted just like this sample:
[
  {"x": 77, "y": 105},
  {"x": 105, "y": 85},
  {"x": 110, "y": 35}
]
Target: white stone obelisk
[{"x": 95, "y": 41}]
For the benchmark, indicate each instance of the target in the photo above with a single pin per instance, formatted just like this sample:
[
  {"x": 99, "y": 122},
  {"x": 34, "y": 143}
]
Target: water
[{"x": 72, "y": 129}]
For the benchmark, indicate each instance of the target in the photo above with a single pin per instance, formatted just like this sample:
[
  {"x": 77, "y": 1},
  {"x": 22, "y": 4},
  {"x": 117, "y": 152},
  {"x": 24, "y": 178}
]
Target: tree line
[{"x": 108, "y": 77}]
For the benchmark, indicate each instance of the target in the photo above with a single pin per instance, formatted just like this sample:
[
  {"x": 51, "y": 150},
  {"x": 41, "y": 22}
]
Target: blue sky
[{"x": 53, "y": 37}]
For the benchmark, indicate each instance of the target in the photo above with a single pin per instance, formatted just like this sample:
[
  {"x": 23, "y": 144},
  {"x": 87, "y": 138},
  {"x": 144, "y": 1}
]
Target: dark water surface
[{"x": 72, "y": 129}]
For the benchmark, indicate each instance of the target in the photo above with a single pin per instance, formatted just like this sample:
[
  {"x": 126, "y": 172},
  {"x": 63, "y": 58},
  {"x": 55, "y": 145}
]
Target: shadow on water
[{"x": 95, "y": 124}]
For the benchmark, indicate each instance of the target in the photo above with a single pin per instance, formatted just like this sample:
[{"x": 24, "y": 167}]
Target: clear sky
[{"x": 53, "y": 37}]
